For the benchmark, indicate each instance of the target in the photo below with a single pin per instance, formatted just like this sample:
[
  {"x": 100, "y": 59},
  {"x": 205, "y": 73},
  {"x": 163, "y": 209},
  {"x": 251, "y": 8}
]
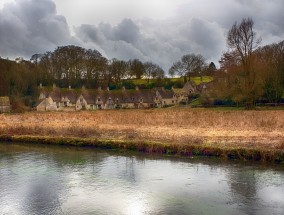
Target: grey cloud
[
  {"x": 31, "y": 26},
  {"x": 162, "y": 42},
  {"x": 88, "y": 33},
  {"x": 116, "y": 42},
  {"x": 127, "y": 31}
]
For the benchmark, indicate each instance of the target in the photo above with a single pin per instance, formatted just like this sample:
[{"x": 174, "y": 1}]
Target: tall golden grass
[{"x": 249, "y": 129}]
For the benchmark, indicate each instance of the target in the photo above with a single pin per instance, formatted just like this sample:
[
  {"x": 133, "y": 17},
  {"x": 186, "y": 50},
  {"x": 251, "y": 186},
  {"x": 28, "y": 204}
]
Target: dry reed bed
[{"x": 250, "y": 129}]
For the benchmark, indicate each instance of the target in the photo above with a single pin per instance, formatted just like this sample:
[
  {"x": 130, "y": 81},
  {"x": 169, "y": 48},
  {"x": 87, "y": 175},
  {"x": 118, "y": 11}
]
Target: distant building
[
  {"x": 165, "y": 97},
  {"x": 190, "y": 89},
  {"x": 56, "y": 99},
  {"x": 5, "y": 106}
]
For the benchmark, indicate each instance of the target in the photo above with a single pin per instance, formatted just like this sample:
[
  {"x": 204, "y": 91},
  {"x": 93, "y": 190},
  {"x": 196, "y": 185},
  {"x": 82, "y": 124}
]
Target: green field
[{"x": 197, "y": 80}]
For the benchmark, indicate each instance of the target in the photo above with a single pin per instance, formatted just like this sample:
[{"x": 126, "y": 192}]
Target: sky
[{"x": 161, "y": 31}]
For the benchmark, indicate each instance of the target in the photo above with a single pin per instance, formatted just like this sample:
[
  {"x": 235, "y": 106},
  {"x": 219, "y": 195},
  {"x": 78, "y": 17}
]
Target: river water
[{"x": 38, "y": 179}]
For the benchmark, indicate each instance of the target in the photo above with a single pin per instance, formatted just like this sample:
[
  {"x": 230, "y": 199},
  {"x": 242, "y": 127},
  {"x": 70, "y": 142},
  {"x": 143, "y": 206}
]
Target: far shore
[{"x": 248, "y": 135}]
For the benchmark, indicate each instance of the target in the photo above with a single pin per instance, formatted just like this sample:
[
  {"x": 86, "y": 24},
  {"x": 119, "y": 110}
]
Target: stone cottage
[
  {"x": 165, "y": 97},
  {"x": 190, "y": 89},
  {"x": 5, "y": 106},
  {"x": 182, "y": 95},
  {"x": 57, "y": 99}
]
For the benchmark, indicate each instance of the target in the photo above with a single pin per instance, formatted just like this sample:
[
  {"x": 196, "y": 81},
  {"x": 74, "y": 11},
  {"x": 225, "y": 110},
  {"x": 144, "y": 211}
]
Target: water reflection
[{"x": 63, "y": 180}]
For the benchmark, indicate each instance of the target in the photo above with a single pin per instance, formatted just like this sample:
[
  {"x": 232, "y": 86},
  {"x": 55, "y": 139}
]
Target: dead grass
[{"x": 249, "y": 129}]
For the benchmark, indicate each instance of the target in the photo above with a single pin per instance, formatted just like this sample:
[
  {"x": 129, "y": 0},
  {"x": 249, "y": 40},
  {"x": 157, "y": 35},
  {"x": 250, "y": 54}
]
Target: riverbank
[{"x": 250, "y": 135}]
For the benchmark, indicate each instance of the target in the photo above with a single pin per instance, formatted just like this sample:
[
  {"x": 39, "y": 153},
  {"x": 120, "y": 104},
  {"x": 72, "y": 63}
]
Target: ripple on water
[{"x": 57, "y": 180}]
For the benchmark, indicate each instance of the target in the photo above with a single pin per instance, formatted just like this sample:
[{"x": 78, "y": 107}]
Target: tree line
[{"x": 76, "y": 66}]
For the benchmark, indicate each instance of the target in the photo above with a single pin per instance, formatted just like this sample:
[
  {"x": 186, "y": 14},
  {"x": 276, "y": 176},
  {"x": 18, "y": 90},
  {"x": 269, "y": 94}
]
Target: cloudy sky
[{"x": 150, "y": 30}]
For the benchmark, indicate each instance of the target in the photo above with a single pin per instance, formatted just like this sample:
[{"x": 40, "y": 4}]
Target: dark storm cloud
[
  {"x": 31, "y": 26},
  {"x": 162, "y": 42},
  {"x": 268, "y": 15},
  {"x": 88, "y": 33},
  {"x": 114, "y": 41}
]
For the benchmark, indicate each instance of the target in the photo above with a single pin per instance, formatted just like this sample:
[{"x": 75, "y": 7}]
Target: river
[{"x": 41, "y": 179}]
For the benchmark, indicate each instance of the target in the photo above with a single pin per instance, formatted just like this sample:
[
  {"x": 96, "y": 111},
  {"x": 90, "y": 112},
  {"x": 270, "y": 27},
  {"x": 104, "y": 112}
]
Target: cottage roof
[
  {"x": 55, "y": 94},
  {"x": 189, "y": 85},
  {"x": 118, "y": 94},
  {"x": 39, "y": 102},
  {"x": 89, "y": 96},
  {"x": 178, "y": 90},
  {"x": 92, "y": 96},
  {"x": 102, "y": 95},
  {"x": 165, "y": 94},
  {"x": 71, "y": 94},
  {"x": 148, "y": 95},
  {"x": 4, "y": 101}
]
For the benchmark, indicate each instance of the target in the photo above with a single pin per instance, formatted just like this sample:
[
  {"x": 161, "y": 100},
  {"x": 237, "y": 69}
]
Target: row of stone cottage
[{"x": 93, "y": 99}]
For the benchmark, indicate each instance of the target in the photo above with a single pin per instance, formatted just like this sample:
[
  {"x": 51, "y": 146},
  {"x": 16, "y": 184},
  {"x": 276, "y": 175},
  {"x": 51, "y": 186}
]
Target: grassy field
[
  {"x": 197, "y": 80},
  {"x": 222, "y": 129}
]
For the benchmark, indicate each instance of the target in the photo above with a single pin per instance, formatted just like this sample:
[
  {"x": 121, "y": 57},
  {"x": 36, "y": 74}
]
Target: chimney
[
  {"x": 69, "y": 87},
  {"x": 40, "y": 85},
  {"x": 136, "y": 88}
]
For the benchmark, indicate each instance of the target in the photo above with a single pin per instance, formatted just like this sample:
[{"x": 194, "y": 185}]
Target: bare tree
[
  {"x": 136, "y": 68},
  {"x": 242, "y": 41},
  {"x": 118, "y": 69},
  {"x": 153, "y": 71},
  {"x": 189, "y": 64}
]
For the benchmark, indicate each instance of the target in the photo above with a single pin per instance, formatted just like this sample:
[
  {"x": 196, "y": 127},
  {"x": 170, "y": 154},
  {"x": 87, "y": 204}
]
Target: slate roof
[
  {"x": 123, "y": 96},
  {"x": 71, "y": 94},
  {"x": 188, "y": 86},
  {"x": 178, "y": 90},
  {"x": 165, "y": 94},
  {"x": 89, "y": 96},
  {"x": 148, "y": 96},
  {"x": 55, "y": 94}
]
